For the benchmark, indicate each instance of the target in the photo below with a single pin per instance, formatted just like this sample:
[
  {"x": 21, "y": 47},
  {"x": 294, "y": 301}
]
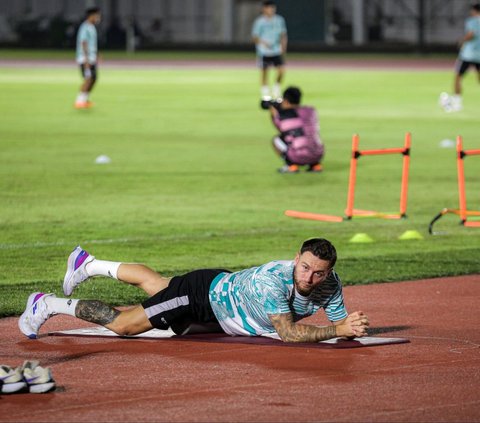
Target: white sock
[
  {"x": 82, "y": 97},
  {"x": 456, "y": 101},
  {"x": 103, "y": 268},
  {"x": 61, "y": 305},
  {"x": 276, "y": 90},
  {"x": 265, "y": 91}
]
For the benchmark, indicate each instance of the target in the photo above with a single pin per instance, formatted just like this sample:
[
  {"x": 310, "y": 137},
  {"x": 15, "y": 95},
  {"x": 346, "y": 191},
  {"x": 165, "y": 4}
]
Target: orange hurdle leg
[
  {"x": 353, "y": 177},
  {"x": 461, "y": 181},
  {"x": 406, "y": 166}
]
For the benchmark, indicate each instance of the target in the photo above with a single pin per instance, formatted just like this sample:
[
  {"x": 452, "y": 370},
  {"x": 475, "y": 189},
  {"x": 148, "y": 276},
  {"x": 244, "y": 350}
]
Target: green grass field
[{"x": 193, "y": 180}]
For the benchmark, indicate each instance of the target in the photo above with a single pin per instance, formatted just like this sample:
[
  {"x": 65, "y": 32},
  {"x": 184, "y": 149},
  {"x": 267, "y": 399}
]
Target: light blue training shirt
[
  {"x": 470, "y": 51},
  {"x": 269, "y": 30},
  {"x": 242, "y": 301},
  {"x": 87, "y": 33}
]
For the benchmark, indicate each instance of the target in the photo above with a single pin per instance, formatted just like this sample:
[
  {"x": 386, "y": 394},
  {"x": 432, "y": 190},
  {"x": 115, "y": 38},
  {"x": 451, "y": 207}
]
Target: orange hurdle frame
[
  {"x": 350, "y": 211},
  {"x": 462, "y": 211}
]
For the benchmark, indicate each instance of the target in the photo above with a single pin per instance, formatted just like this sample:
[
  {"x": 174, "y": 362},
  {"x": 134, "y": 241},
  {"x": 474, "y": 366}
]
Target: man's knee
[
  {"x": 130, "y": 322},
  {"x": 155, "y": 283},
  {"x": 279, "y": 145}
]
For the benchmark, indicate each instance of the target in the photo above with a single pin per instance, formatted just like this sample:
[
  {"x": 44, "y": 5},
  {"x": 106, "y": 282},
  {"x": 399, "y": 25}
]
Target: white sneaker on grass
[
  {"x": 39, "y": 379},
  {"x": 12, "y": 379},
  {"x": 35, "y": 315},
  {"x": 76, "y": 272}
]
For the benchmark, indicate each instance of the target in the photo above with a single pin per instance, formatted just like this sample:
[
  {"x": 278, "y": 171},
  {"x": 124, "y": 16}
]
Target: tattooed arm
[{"x": 355, "y": 324}]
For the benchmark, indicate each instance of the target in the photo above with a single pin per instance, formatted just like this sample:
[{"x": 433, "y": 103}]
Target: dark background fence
[{"x": 314, "y": 25}]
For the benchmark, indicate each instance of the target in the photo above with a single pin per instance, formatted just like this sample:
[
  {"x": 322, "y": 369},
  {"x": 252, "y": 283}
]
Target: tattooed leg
[
  {"x": 96, "y": 312},
  {"x": 127, "y": 322}
]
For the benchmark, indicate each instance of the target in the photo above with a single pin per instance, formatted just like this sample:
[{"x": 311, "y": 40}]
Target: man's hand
[
  {"x": 355, "y": 325},
  {"x": 273, "y": 111}
]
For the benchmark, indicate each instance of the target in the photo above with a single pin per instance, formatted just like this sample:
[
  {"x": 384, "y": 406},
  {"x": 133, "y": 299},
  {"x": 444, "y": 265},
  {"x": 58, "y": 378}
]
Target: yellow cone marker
[
  {"x": 361, "y": 238},
  {"x": 410, "y": 235}
]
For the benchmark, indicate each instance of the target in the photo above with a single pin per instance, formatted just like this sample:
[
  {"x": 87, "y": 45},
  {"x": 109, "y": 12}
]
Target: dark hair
[
  {"x": 475, "y": 6},
  {"x": 267, "y": 3},
  {"x": 92, "y": 11},
  {"x": 321, "y": 248},
  {"x": 293, "y": 95}
]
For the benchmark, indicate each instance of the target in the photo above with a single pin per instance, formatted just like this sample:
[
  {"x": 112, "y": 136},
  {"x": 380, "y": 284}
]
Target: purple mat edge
[{"x": 253, "y": 340}]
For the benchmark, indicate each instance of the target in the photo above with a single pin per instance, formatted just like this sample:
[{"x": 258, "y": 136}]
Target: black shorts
[
  {"x": 265, "y": 62},
  {"x": 184, "y": 301},
  {"x": 462, "y": 66},
  {"x": 91, "y": 72}
]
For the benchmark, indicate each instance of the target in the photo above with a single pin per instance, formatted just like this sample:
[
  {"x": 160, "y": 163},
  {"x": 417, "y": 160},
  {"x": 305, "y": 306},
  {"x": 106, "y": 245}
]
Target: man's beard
[{"x": 301, "y": 291}]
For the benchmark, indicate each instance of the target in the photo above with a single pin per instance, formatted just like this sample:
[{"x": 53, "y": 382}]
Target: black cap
[
  {"x": 475, "y": 6},
  {"x": 266, "y": 3}
]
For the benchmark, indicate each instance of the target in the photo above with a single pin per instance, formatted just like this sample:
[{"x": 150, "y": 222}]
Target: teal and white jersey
[
  {"x": 243, "y": 300},
  {"x": 87, "y": 33},
  {"x": 470, "y": 51},
  {"x": 269, "y": 30}
]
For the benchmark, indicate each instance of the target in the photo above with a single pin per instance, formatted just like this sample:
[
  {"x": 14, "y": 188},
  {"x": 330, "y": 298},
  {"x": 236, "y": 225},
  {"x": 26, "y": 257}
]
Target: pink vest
[{"x": 299, "y": 128}]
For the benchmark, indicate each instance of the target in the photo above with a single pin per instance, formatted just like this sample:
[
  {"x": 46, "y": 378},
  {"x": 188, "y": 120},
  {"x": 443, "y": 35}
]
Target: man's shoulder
[
  {"x": 473, "y": 22},
  {"x": 328, "y": 289},
  {"x": 259, "y": 19},
  {"x": 276, "y": 265},
  {"x": 307, "y": 109},
  {"x": 276, "y": 270},
  {"x": 86, "y": 26}
]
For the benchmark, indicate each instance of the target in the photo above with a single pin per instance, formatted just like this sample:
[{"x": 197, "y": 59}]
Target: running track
[{"x": 434, "y": 378}]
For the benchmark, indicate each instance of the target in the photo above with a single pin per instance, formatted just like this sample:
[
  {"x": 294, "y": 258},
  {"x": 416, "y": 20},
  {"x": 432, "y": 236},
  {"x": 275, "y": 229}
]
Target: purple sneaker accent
[
  {"x": 80, "y": 259},
  {"x": 76, "y": 269},
  {"x": 35, "y": 303}
]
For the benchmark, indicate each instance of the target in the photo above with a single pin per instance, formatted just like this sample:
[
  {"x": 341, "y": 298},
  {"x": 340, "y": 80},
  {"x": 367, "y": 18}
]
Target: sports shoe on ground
[
  {"x": 39, "y": 379},
  {"x": 445, "y": 101},
  {"x": 12, "y": 379},
  {"x": 76, "y": 272},
  {"x": 315, "y": 168},
  {"x": 83, "y": 104},
  {"x": 289, "y": 169},
  {"x": 35, "y": 315}
]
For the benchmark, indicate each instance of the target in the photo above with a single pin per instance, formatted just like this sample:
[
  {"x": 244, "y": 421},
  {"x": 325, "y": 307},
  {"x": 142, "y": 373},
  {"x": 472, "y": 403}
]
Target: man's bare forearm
[
  {"x": 289, "y": 331},
  {"x": 308, "y": 333},
  {"x": 96, "y": 312}
]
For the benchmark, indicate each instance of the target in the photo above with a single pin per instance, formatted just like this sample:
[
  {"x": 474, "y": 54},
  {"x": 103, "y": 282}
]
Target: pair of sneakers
[
  {"x": 450, "y": 103},
  {"x": 37, "y": 311},
  {"x": 29, "y": 377}
]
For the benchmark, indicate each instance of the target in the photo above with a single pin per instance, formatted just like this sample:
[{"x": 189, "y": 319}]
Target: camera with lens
[{"x": 265, "y": 103}]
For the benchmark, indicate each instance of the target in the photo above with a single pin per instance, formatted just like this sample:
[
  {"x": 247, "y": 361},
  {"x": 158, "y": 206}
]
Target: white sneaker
[
  {"x": 457, "y": 104},
  {"x": 35, "y": 315},
  {"x": 445, "y": 101},
  {"x": 12, "y": 379},
  {"x": 76, "y": 272},
  {"x": 39, "y": 379}
]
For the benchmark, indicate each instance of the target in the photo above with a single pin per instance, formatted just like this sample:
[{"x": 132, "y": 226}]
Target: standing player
[
  {"x": 269, "y": 34},
  {"x": 87, "y": 47},
  {"x": 298, "y": 142},
  {"x": 262, "y": 300},
  {"x": 469, "y": 56}
]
